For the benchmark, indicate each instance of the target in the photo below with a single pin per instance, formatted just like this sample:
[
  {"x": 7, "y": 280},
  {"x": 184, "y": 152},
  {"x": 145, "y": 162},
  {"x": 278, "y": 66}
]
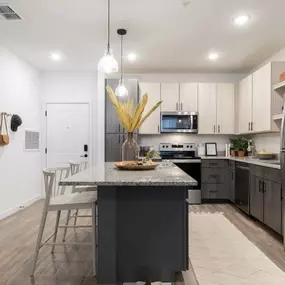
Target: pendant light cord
[
  {"x": 121, "y": 58},
  {"x": 108, "y": 47}
]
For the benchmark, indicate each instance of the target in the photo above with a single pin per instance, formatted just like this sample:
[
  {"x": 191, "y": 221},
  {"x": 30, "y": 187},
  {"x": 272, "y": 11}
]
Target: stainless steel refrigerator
[{"x": 114, "y": 132}]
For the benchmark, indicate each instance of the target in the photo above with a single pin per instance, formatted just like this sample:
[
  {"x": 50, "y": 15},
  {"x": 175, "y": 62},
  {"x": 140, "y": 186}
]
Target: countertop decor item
[
  {"x": 265, "y": 155},
  {"x": 135, "y": 165},
  {"x": 108, "y": 64},
  {"x": 131, "y": 118},
  {"x": 211, "y": 149},
  {"x": 121, "y": 90}
]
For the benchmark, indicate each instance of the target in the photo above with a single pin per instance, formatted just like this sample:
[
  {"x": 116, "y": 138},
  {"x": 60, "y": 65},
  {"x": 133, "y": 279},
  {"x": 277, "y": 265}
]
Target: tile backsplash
[
  {"x": 267, "y": 142},
  {"x": 155, "y": 140}
]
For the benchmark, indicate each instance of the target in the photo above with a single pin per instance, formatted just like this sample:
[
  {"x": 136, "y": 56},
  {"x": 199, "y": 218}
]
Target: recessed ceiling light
[
  {"x": 132, "y": 56},
  {"x": 213, "y": 56},
  {"x": 55, "y": 56},
  {"x": 241, "y": 20}
]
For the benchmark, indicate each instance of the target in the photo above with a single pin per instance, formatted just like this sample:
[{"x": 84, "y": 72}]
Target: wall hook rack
[{"x": 6, "y": 114}]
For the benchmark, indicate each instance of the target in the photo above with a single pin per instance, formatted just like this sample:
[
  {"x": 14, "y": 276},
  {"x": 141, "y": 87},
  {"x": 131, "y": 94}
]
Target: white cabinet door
[
  {"x": 189, "y": 97},
  {"x": 170, "y": 97},
  {"x": 245, "y": 105},
  {"x": 225, "y": 108},
  {"x": 207, "y": 108},
  {"x": 152, "y": 124},
  {"x": 261, "y": 99}
]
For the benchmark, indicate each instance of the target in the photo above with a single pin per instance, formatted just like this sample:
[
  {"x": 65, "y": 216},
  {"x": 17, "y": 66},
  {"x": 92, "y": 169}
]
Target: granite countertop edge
[
  {"x": 245, "y": 160},
  {"x": 130, "y": 183}
]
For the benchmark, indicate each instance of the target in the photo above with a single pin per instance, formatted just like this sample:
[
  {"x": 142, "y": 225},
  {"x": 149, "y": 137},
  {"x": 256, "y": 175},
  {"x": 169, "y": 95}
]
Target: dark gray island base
[
  {"x": 142, "y": 222},
  {"x": 142, "y": 234}
]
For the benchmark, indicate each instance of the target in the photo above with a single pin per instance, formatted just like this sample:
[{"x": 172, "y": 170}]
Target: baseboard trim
[{"x": 19, "y": 207}]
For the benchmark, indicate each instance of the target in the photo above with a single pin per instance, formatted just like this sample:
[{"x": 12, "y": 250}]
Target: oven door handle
[{"x": 189, "y": 161}]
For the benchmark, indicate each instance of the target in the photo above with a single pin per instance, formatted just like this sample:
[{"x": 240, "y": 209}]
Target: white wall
[
  {"x": 20, "y": 171},
  {"x": 70, "y": 87}
]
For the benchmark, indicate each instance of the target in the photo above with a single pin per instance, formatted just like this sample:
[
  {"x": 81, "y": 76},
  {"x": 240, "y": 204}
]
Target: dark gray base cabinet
[
  {"x": 215, "y": 179},
  {"x": 266, "y": 197}
]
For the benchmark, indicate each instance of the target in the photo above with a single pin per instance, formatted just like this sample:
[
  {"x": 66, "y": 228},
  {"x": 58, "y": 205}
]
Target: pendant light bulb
[
  {"x": 108, "y": 64},
  {"x": 121, "y": 90}
]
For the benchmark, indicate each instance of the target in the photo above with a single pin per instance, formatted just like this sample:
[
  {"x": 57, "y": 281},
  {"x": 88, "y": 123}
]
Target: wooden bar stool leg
[
  {"x": 55, "y": 230},
  {"x": 75, "y": 219},
  {"x": 39, "y": 240},
  {"x": 66, "y": 223}
]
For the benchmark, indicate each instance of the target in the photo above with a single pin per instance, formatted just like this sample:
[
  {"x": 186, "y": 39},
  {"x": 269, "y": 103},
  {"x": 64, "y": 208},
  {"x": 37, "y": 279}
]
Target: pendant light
[
  {"x": 121, "y": 90},
  {"x": 108, "y": 64}
]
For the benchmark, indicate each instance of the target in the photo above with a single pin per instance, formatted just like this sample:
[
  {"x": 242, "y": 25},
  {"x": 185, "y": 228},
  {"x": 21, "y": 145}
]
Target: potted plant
[
  {"x": 234, "y": 148},
  {"x": 242, "y": 144}
]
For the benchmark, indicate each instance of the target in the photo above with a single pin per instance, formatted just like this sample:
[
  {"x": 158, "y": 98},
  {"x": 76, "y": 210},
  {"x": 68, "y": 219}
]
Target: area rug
[{"x": 221, "y": 255}]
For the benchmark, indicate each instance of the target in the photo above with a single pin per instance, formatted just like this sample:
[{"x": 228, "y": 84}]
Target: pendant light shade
[
  {"x": 121, "y": 90},
  {"x": 108, "y": 64}
]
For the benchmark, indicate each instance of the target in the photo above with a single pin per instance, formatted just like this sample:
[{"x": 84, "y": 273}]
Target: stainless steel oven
[
  {"x": 179, "y": 122},
  {"x": 184, "y": 157}
]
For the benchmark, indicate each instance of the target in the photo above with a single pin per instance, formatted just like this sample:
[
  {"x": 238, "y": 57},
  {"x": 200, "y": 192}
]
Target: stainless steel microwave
[{"x": 179, "y": 122}]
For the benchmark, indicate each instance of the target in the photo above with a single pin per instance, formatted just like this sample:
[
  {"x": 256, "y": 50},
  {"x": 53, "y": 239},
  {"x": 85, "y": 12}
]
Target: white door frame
[{"x": 90, "y": 145}]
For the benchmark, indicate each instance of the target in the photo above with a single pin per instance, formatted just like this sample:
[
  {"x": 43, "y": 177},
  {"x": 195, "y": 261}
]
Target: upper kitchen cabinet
[
  {"x": 189, "y": 97},
  {"x": 225, "y": 108},
  {"x": 245, "y": 105},
  {"x": 207, "y": 108},
  {"x": 152, "y": 124},
  {"x": 261, "y": 99},
  {"x": 170, "y": 97},
  {"x": 216, "y": 107},
  {"x": 257, "y": 102}
]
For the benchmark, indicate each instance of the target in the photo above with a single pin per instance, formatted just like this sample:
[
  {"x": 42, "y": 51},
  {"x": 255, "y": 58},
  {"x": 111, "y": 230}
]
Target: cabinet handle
[
  {"x": 181, "y": 106},
  {"x": 264, "y": 187},
  {"x": 177, "y": 106},
  {"x": 119, "y": 138},
  {"x": 214, "y": 129},
  {"x": 260, "y": 185},
  {"x": 219, "y": 129},
  {"x": 249, "y": 126}
]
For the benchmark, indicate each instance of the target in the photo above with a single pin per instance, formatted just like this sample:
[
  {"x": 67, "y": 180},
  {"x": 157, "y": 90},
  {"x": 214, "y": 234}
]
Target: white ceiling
[{"x": 167, "y": 36}]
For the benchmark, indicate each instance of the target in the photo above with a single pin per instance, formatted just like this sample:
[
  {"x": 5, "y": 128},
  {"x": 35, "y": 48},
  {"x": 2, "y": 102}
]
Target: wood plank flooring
[{"x": 72, "y": 265}]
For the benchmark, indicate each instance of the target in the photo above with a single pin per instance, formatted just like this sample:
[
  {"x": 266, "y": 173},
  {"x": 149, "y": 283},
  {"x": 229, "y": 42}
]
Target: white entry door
[{"x": 67, "y": 137}]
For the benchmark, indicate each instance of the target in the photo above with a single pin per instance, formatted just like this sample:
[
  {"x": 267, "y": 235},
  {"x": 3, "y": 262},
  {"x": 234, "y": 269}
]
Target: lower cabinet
[
  {"x": 272, "y": 205},
  {"x": 256, "y": 197},
  {"x": 214, "y": 179},
  {"x": 231, "y": 181},
  {"x": 266, "y": 197}
]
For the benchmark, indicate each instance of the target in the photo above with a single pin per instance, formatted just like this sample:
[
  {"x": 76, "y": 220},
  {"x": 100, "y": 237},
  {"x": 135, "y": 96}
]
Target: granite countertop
[
  {"x": 166, "y": 174},
  {"x": 266, "y": 163}
]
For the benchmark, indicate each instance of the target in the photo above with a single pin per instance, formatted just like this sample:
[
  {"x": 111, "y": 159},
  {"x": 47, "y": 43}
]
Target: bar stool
[{"x": 56, "y": 200}]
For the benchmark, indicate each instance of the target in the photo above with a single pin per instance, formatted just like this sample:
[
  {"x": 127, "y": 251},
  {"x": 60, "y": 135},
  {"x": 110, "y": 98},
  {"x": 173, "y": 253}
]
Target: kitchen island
[{"x": 142, "y": 222}]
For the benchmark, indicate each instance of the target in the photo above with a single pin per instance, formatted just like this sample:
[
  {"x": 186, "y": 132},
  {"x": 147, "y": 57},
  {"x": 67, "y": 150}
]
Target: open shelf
[
  {"x": 277, "y": 117},
  {"x": 279, "y": 88}
]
